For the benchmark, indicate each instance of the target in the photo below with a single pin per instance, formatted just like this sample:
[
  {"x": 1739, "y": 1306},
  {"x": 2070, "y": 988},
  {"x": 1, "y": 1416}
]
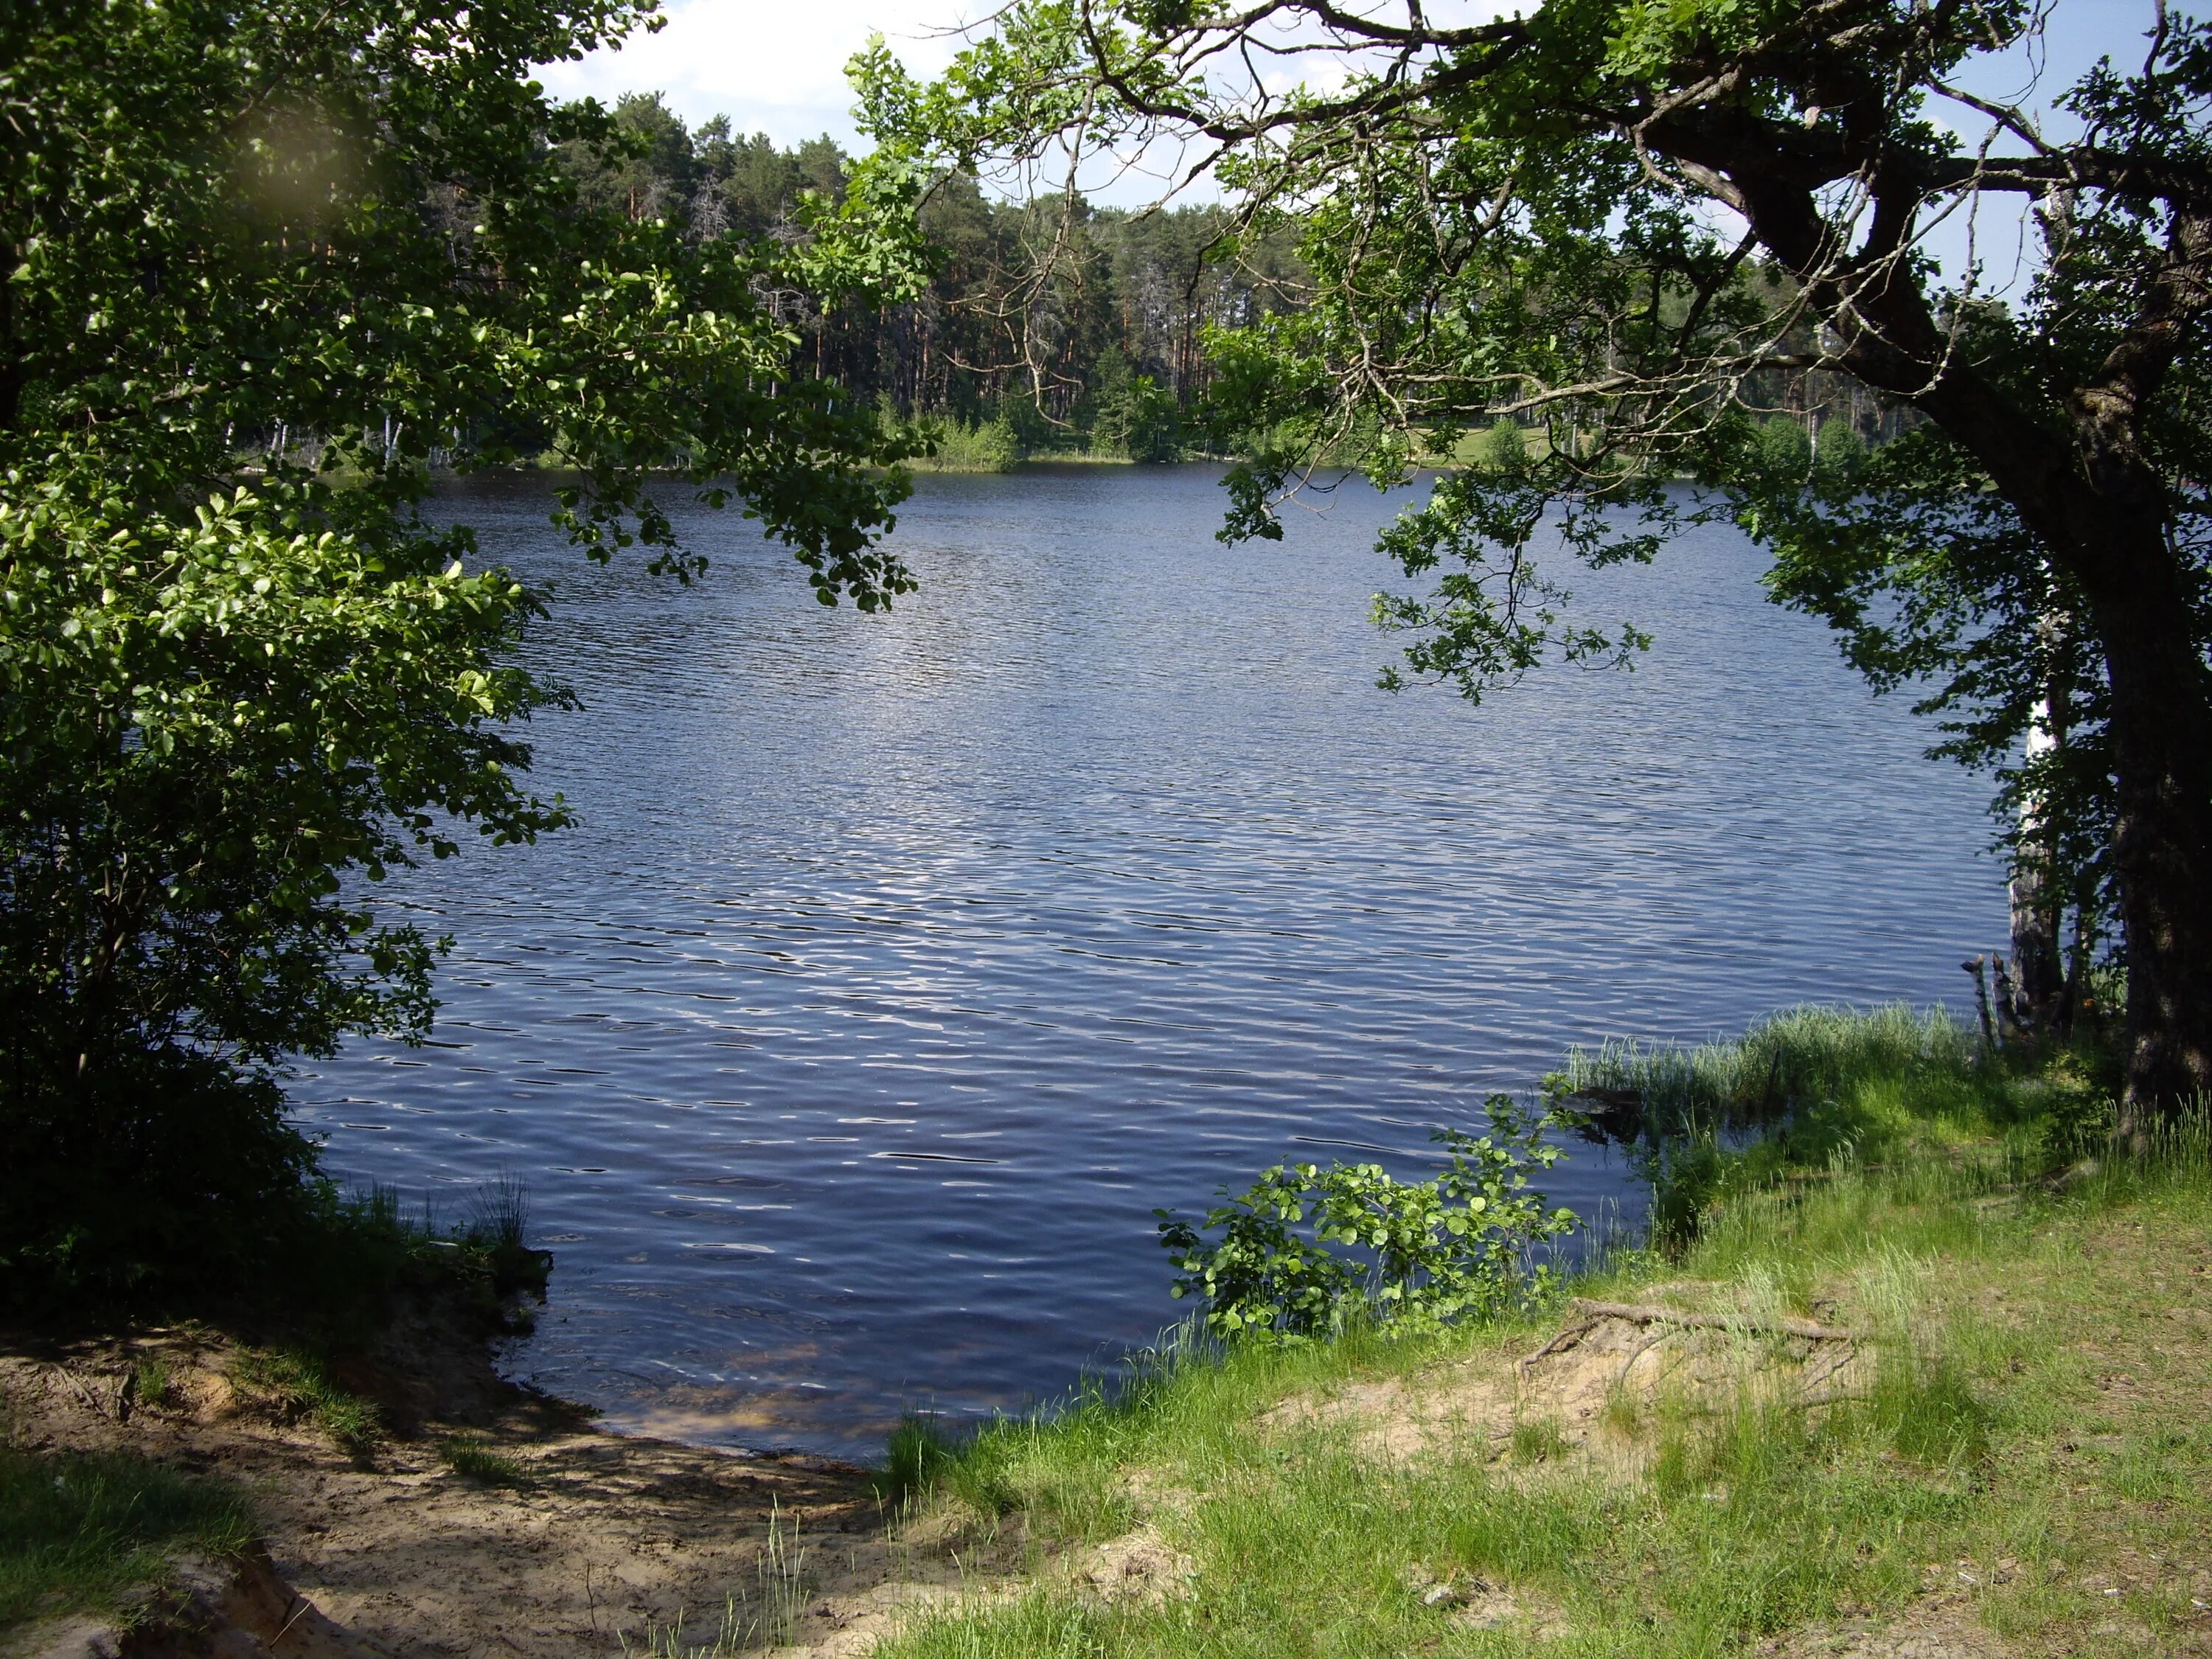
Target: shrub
[
  {"x": 155, "y": 1173},
  {"x": 1504, "y": 448},
  {"x": 1307, "y": 1250}
]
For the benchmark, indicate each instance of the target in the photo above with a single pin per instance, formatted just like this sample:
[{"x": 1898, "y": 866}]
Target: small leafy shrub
[
  {"x": 148, "y": 1174},
  {"x": 958, "y": 447},
  {"x": 2076, "y": 1123},
  {"x": 1306, "y": 1251}
]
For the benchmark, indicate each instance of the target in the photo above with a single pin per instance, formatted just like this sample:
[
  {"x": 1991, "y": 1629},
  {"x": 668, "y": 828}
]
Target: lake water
[{"x": 901, "y": 965}]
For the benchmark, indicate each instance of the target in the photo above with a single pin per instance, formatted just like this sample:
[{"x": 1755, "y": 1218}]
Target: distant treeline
[{"x": 1104, "y": 354}]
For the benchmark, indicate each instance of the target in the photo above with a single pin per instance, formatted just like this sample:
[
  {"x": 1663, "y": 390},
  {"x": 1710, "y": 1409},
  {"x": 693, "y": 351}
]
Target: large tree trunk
[
  {"x": 2102, "y": 513},
  {"x": 2092, "y": 500},
  {"x": 2161, "y": 735}
]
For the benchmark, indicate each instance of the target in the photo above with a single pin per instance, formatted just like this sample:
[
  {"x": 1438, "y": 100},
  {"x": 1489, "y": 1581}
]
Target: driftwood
[
  {"x": 1589, "y": 1315},
  {"x": 1978, "y": 967}
]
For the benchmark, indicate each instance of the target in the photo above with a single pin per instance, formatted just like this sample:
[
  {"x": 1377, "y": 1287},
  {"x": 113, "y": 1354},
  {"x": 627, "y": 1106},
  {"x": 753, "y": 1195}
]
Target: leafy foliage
[
  {"x": 1305, "y": 1249},
  {"x": 1661, "y": 237},
  {"x": 1080, "y": 327},
  {"x": 265, "y": 264}
]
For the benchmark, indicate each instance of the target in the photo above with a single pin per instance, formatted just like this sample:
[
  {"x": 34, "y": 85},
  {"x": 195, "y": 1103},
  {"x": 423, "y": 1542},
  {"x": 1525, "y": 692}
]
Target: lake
[{"x": 901, "y": 964}]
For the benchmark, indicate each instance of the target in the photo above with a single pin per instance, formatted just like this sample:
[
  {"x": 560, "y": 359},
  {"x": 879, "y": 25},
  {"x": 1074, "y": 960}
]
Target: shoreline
[
  {"x": 1930, "y": 1315},
  {"x": 479, "y": 1516}
]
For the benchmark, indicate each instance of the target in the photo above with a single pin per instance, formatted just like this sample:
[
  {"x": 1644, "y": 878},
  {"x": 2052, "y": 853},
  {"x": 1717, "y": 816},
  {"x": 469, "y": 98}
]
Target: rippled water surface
[{"x": 901, "y": 964}]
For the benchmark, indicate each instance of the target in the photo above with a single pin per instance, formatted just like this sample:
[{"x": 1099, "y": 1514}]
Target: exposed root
[
  {"x": 1598, "y": 1375},
  {"x": 1589, "y": 1315},
  {"x": 1646, "y": 1313},
  {"x": 1621, "y": 1376}
]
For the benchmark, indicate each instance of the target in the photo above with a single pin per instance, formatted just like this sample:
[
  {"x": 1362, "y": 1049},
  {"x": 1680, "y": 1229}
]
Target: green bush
[
  {"x": 242, "y": 676},
  {"x": 1136, "y": 416},
  {"x": 1504, "y": 447},
  {"x": 155, "y": 1174},
  {"x": 954, "y": 446},
  {"x": 2075, "y": 1124},
  {"x": 1306, "y": 1251}
]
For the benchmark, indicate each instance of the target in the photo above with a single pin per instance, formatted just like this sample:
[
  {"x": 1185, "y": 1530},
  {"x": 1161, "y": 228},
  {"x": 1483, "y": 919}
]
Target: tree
[
  {"x": 263, "y": 261},
  {"x": 1648, "y": 229}
]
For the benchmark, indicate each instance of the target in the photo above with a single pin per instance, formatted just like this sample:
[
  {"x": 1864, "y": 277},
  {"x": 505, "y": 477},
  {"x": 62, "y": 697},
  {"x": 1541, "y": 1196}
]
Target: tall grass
[
  {"x": 1906, "y": 1175},
  {"x": 366, "y": 1247},
  {"x": 765, "y": 1616},
  {"x": 1800, "y": 1056},
  {"x": 77, "y": 1531},
  {"x": 474, "y": 1458},
  {"x": 1812, "y": 1089}
]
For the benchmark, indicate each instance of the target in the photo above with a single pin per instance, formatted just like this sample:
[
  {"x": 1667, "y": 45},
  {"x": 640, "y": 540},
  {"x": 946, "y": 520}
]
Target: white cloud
[
  {"x": 772, "y": 66},
  {"x": 778, "y": 66}
]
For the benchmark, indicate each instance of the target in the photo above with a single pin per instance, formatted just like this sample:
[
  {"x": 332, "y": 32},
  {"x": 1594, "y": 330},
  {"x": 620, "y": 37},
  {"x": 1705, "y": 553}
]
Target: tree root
[
  {"x": 1649, "y": 1313},
  {"x": 1589, "y": 1315},
  {"x": 1621, "y": 1376}
]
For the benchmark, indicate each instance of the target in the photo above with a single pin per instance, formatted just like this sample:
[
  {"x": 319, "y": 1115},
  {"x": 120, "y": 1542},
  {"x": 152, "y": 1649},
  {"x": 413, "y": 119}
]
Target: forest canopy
[{"x": 1069, "y": 327}]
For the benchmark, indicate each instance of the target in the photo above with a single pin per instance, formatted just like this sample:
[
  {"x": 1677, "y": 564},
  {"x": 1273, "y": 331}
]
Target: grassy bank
[
  {"x": 2015, "y": 1456},
  {"x": 362, "y": 1286},
  {"x": 79, "y": 1532}
]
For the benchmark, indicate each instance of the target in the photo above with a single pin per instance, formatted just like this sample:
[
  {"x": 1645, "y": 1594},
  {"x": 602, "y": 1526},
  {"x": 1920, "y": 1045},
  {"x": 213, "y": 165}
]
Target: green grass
[
  {"x": 2033, "y": 1435},
  {"x": 472, "y": 1457},
  {"x": 152, "y": 1383},
  {"x": 78, "y": 1532},
  {"x": 301, "y": 1383},
  {"x": 1814, "y": 1087},
  {"x": 1807, "y": 1056}
]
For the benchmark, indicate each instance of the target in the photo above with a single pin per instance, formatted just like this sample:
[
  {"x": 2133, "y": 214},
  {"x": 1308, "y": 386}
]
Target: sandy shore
[{"x": 597, "y": 1541}]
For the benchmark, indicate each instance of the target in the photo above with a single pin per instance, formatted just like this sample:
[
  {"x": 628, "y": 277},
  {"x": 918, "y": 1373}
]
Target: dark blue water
[{"x": 902, "y": 964}]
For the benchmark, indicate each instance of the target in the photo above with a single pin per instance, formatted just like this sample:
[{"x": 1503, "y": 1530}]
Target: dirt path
[{"x": 591, "y": 1539}]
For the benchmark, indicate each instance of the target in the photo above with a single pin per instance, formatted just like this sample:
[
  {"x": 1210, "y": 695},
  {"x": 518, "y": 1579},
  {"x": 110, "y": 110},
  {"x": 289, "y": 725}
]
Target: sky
[
  {"x": 772, "y": 66},
  {"x": 777, "y": 66}
]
